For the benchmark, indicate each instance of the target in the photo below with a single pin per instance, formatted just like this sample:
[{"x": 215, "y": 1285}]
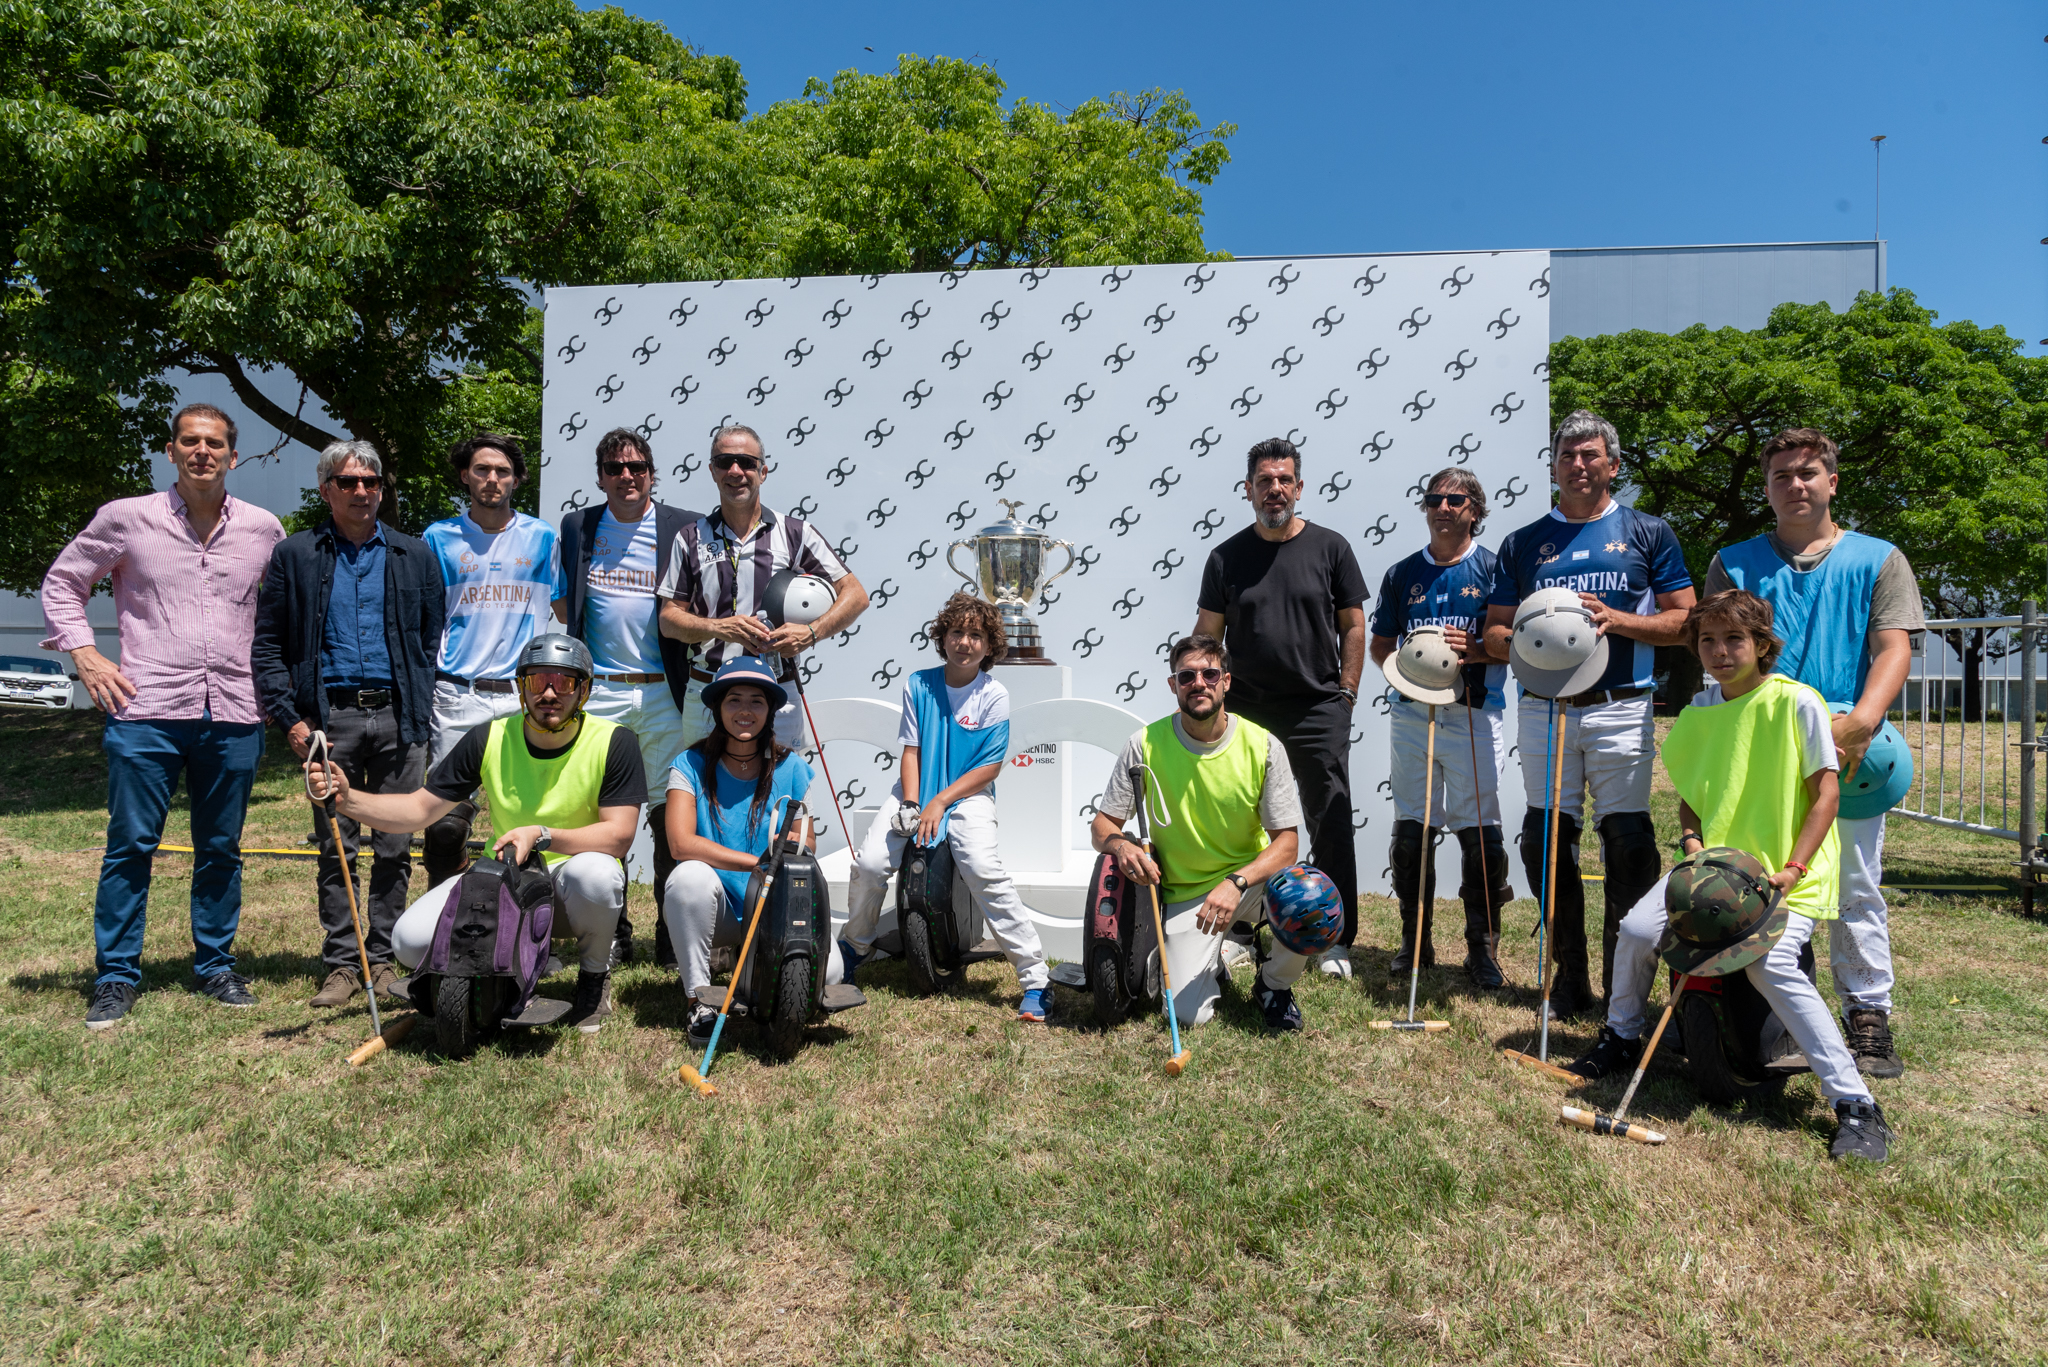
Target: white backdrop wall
[{"x": 1118, "y": 404}]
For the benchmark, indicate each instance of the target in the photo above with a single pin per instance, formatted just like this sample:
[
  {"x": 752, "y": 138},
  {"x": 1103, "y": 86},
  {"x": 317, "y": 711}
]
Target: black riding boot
[
  {"x": 1484, "y": 889},
  {"x": 1407, "y": 855},
  {"x": 1628, "y": 847},
  {"x": 1571, "y": 989},
  {"x": 444, "y": 848},
  {"x": 664, "y": 865}
]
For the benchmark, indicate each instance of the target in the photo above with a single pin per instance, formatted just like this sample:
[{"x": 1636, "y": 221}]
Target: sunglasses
[
  {"x": 1211, "y": 676},
  {"x": 348, "y": 484},
  {"x": 725, "y": 460},
  {"x": 1439, "y": 500},
  {"x": 614, "y": 468},
  {"x": 541, "y": 680}
]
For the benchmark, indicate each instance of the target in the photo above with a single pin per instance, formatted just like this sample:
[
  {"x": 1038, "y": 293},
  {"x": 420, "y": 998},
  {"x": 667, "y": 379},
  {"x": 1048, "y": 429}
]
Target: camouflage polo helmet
[{"x": 1725, "y": 915}]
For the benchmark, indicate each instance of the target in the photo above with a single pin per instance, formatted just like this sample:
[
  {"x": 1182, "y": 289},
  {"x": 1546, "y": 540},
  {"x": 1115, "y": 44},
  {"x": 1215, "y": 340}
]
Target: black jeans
[
  {"x": 1318, "y": 743},
  {"x": 367, "y": 747}
]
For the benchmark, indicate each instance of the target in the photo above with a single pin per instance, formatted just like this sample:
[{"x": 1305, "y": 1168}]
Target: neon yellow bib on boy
[
  {"x": 1737, "y": 765},
  {"x": 1213, "y": 803},
  {"x": 559, "y": 792}
]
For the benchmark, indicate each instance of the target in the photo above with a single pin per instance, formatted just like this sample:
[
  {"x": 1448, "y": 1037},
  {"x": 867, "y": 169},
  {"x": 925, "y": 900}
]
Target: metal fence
[{"x": 1977, "y": 735}]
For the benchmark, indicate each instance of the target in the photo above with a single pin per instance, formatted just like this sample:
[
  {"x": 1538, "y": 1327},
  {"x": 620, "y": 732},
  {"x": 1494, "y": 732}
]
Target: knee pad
[
  {"x": 1628, "y": 843},
  {"x": 1484, "y": 867},
  {"x": 1535, "y": 852},
  {"x": 444, "y": 846},
  {"x": 1404, "y": 854}
]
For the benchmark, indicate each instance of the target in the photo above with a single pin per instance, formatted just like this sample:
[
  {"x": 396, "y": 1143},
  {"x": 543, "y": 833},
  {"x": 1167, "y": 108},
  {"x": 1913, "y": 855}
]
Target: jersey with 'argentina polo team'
[
  {"x": 1622, "y": 557},
  {"x": 501, "y": 591}
]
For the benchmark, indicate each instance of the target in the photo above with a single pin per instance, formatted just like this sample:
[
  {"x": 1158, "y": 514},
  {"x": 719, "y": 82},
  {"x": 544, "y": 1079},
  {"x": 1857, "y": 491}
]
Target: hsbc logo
[
  {"x": 1020, "y": 761},
  {"x": 1046, "y": 752}
]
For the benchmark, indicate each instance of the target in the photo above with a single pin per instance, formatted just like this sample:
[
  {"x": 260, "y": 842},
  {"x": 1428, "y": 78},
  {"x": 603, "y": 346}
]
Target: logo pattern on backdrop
[{"x": 1118, "y": 401}]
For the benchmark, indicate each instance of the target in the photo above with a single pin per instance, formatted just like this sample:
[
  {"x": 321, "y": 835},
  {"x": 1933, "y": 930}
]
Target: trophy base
[
  {"x": 1026, "y": 655},
  {"x": 1024, "y": 644}
]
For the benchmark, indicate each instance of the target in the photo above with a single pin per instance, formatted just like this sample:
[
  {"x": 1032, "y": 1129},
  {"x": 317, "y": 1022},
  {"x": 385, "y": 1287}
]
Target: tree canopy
[
  {"x": 1941, "y": 429},
  {"x": 363, "y": 198}
]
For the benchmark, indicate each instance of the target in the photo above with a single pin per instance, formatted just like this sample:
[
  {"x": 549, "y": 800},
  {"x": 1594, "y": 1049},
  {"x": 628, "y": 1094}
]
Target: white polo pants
[
  {"x": 1796, "y": 1001},
  {"x": 1455, "y": 803},
  {"x": 590, "y": 892},
  {"x": 1610, "y": 751},
  {"x": 1194, "y": 957},
  {"x": 699, "y": 917},
  {"x": 458, "y": 710},
  {"x": 971, "y": 832},
  {"x": 1860, "y": 940}
]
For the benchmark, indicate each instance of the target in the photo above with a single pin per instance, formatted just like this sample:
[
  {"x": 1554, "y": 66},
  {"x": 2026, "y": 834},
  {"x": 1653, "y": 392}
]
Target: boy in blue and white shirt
[
  {"x": 503, "y": 574},
  {"x": 956, "y": 735},
  {"x": 1446, "y": 584}
]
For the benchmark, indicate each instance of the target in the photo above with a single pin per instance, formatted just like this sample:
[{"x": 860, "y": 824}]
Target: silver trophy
[{"x": 1010, "y": 560}]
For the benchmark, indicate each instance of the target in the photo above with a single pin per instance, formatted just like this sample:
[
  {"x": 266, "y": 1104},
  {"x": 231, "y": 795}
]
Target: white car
[{"x": 29, "y": 682}]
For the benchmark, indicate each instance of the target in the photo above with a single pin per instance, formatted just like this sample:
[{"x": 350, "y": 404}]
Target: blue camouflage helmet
[{"x": 1304, "y": 910}]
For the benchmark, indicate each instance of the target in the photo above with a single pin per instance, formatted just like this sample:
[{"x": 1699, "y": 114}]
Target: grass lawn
[{"x": 931, "y": 1181}]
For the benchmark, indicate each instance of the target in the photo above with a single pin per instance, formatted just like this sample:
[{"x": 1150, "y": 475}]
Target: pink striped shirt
[{"x": 187, "y": 611}]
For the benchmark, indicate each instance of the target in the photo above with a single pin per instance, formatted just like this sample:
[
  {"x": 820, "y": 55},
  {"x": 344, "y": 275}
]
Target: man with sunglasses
[
  {"x": 614, "y": 556},
  {"x": 1288, "y": 598},
  {"x": 1227, "y": 819},
  {"x": 503, "y": 573},
  {"x": 1445, "y": 584},
  {"x": 1628, "y": 571},
  {"x": 717, "y": 580},
  {"x": 347, "y": 629}
]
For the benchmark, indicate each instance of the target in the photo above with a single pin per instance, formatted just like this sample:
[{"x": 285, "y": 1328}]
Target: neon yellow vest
[
  {"x": 1212, "y": 801},
  {"x": 1737, "y": 765},
  {"x": 559, "y": 792}
]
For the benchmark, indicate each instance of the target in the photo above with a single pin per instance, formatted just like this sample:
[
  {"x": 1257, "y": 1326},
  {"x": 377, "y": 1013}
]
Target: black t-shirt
[
  {"x": 461, "y": 769},
  {"x": 1280, "y": 601}
]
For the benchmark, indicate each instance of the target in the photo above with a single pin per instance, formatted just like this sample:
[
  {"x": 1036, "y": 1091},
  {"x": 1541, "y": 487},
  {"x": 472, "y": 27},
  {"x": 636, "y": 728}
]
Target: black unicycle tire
[
  {"x": 1706, "y": 1057},
  {"x": 1106, "y": 986},
  {"x": 456, "y": 1027},
  {"x": 792, "y": 1008},
  {"x": 920, "y": 958}
]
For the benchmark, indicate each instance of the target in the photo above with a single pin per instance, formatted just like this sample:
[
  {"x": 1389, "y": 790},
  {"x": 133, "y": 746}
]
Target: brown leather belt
[
  {"x": 480, "y": 685},
  {"x": 1602, "y": 695},
  {"x": 630, "y": 678},
  {"x": 701, "y": 675}
]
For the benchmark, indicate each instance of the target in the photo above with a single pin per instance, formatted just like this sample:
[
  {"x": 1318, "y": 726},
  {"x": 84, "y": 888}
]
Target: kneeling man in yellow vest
[
  {"x": 560, "y": 782},
  {"x": 1225, "y": 818}
]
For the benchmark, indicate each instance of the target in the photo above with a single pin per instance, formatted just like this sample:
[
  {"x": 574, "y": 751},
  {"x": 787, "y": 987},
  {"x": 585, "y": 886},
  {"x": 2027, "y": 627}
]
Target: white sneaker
[
  {"x": 1234, "y": 954},
  {"x": 1337, "y": 962}
]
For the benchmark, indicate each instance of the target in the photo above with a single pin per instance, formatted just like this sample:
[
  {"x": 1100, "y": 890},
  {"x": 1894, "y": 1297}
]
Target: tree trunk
[{"x": 1973, "y": 676}]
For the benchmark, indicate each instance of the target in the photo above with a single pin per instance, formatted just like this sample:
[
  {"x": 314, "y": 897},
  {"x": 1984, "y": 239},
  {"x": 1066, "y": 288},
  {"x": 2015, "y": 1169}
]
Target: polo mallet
[
  {"x": 1541, "y": 1059},
  {"x": 1617, "y": 1125},
  {"x": 319, "y": 752},
  {"x": 390, "y": 1035},
  {"x": 818, "y": 740},
  {"x": 1422, "y": 908},
  {"x": 1142, "y": 774},
  {"x": 696, "y": 1076}
]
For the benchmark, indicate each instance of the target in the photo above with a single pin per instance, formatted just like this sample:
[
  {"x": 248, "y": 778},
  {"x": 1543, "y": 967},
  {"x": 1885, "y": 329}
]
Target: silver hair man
[{"x": 339, "y": 453}]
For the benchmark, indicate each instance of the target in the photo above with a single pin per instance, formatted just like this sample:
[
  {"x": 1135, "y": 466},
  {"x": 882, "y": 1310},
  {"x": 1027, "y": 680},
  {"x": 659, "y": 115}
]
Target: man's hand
[
  {"x": 1852, "y": 741},
  {"x": 1459, "y": 640},
  {"x": 1218, "y": 909},
  {"x": 300, "y": 738},
  {"x": 749, "y": 633},
  {"x": 1133, "y": 863},
  {"x": 325, "y": 780},
  {"x": 513, "y": 846},
  {"x": 1603, "y": 616},
  {"x": 790, "y": 640},
  {"x": 104, "y": 682}
]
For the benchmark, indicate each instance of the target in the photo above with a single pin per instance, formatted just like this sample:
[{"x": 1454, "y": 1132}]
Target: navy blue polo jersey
[
  {"x": 1623, "y": 557},
  {"x": 1418, "y": 592}
]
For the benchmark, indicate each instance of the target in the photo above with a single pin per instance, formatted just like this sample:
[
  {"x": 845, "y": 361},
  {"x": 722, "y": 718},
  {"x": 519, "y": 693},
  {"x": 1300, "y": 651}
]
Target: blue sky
[{"x": 1376, "y": 127}]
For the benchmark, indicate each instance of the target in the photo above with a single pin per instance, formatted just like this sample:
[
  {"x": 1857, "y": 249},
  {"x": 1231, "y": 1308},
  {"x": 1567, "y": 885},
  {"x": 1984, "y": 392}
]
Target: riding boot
[
  {"x": 1571, "y": 991},
  {"x": 444, "y": 848},
  {"x": 1628, "y": 848},
  {"x": 1484, "y": 891},
  {"x": 1406, "y": 857},
  {"x": 664, "y": 865}
]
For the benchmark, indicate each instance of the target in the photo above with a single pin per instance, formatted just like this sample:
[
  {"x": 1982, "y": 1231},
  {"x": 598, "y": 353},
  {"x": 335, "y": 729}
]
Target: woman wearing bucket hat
[
  {"x": 1847, "y": 606},
  {"x": 1754, "y": 763},
  {"x": 722, "y": 793},
  {"x": 1439, "y": 593}
]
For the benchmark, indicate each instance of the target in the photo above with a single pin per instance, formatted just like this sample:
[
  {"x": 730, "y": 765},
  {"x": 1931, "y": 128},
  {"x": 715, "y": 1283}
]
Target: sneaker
[
  {"x": 1277, "y": 1003},
  {"x": 227, "y": 987},
  {"x": 1610, "y": 1054},
  {"x": 110, "y": 1002},
  {"x": 592, "y": 1002},
  {"x": 848, "y": 962},
  {"x": 1036, "y": 1004},
  {"x": 341, "y": 984},
  {"x": 1870, "y": 1040},
  {"x": 1861, "y": 1132},
  {"x": 1235, "y": 952},
  {"x": 1336, "y": 962},
  {"x": 702, "y": 1021}
]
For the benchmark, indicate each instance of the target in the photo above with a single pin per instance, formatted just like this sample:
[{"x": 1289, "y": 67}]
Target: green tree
[{"x": 1941, "y": 429}]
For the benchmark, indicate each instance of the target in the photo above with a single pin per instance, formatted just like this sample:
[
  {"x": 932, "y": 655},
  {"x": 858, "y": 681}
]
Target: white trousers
[
  {"x": 1796, "y": 1001},
  {"x": 1860, "y": 941},
  {"x": 789, "y": 719},
  {"x": 971, "y": 832},
  {"x": 1194, "y": 957},
  {"x": 458, "y": 710},
  {"x": 649, "y": 712},
  {"x": 694, "y": 906},
  {"x": 1609, "y": 751},
  {"x": 590, "y": 892},
  {"x": 1453, "y": 802}
]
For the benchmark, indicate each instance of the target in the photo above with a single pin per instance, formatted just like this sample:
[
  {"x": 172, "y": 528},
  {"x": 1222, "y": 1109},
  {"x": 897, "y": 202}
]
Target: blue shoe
[
  {"x": 1036, "y": 1005},
  {"x": 848, "y": 962},
  {"x": 1277, "y": 1005}
]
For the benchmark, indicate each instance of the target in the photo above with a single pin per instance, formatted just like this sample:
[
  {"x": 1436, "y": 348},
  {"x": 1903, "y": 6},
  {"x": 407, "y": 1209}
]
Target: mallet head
[
  {"x": 696, "y": 1080},
  {"x": 1177, "y": 1063}
]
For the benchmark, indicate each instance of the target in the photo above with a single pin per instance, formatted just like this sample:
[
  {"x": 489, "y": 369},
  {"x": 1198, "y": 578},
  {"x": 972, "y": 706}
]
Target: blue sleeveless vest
[{"x": 1823, "y": 615}]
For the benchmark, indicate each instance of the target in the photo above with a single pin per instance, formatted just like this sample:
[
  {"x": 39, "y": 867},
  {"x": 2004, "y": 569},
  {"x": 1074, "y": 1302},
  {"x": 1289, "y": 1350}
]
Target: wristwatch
[
  {"x": 1238, "y": 881},
  {"x": 543, "y": 840}
]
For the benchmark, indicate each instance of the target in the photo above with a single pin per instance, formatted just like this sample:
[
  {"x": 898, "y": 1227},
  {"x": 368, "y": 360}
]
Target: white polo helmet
[
  {"x": 1556, "y": 650},
  {"x": 795, "y": 599},
  {"x": 1424, "y": 668}
]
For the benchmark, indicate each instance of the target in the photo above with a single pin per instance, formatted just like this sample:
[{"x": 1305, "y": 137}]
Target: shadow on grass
[{"x": 164, "y": 974}]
